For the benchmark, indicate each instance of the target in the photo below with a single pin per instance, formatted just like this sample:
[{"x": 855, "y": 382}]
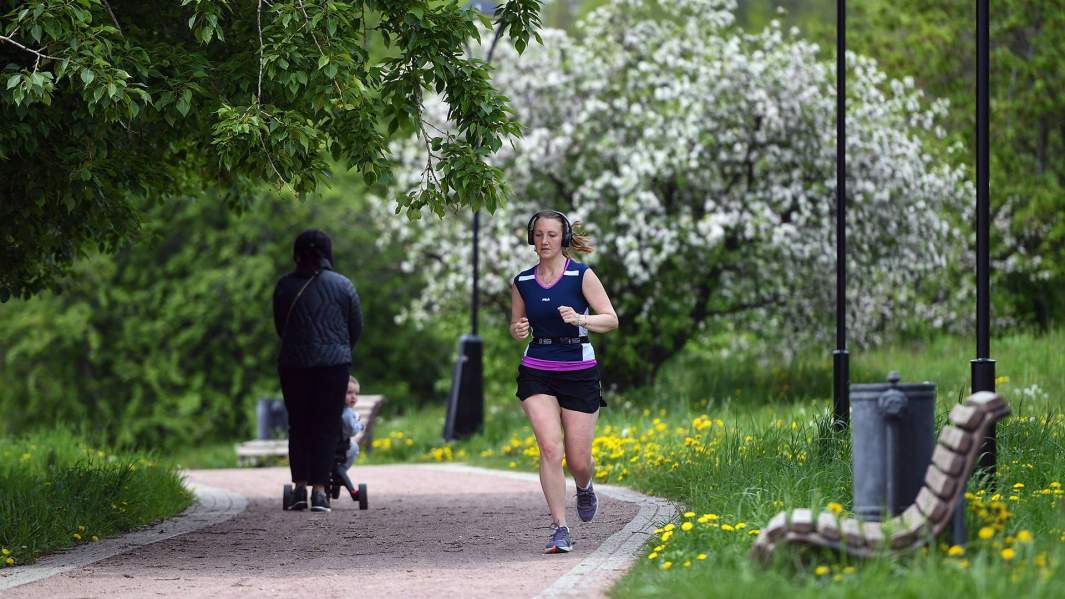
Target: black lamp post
[
  {"x": 465, "y": 402},
  {"x": 840, "y": 359},
  {"x": 983, "y": 367}
]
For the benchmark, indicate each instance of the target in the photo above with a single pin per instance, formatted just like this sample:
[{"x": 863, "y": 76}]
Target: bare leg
[
  {"x": 580, "y": 432},
  {"x": 544, "y": 416}
]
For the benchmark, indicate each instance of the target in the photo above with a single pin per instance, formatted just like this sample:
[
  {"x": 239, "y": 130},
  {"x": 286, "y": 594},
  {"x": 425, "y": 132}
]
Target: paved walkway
[{"x": 431, "y": 531}]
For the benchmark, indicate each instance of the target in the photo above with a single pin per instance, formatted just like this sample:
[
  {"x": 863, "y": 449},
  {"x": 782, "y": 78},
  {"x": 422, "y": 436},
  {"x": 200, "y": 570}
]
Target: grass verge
[{"x": 57, "y": 492}]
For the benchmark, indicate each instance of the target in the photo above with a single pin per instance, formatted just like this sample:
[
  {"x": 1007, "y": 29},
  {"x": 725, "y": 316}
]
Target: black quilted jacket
[{"x": 325, "y": 322}]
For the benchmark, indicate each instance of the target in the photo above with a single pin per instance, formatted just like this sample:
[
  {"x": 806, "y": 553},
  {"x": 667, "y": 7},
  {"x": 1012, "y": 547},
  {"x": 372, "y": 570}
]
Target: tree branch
[
  {"x": 113, "y": 19},
  {"x": 259, "y": 25},
  {"x": 37, "y": 53}
]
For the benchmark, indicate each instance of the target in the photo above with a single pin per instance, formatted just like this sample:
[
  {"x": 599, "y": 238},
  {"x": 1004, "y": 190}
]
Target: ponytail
[{"x": 580, "y": 243}]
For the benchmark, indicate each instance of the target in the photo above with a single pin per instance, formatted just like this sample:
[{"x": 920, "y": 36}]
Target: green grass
[
  {"x": 215, "y": 455},
  {"x": 56, "y": 492},
  {"x": 740, "y": 438}
]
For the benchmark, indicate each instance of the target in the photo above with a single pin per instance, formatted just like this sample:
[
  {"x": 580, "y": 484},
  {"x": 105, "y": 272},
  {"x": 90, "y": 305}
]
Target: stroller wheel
[
  {"x": 286, "y": 497},
  {"x": 363, "y": 503}
]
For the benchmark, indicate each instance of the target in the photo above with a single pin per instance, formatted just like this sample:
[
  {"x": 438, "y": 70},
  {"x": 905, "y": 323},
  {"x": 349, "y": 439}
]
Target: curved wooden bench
[{"x": 953, "y": 460}]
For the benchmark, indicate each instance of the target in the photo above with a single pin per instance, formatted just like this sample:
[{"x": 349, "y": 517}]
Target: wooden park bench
[
  {"x": 257, "y": 451},
  {"x": 953, "y": 460}
]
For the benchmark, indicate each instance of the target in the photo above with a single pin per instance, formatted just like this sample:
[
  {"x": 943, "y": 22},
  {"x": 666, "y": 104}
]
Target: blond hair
[{"x": 579, "y": 243}]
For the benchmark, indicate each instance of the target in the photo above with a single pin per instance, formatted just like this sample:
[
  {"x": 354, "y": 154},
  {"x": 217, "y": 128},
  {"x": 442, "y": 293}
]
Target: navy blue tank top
[{"x": 541, "y": 308}]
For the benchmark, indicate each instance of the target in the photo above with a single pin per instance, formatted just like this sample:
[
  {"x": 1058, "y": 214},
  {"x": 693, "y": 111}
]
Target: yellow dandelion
[
  {"x": 956, "y": 551},
  {"x": 95, "y": 539},
  {"x": 1055, "y": 485},
  {"x": 5, "y": 551},
  {"x": 660, "y": 548},
  {"x": 701, "y": 557},
  {"x": 848, "y": 570},
  {"x": 669, "y": 527},
  {"x": 821, "y": 570},
  {"x": 652, "y": 555},
  {"x": 1024, "y": 536},
  {"x": 1002, "y": 380},
  {"x": 1008, "y": 554},
  {"x": 77, "y": 537},
  {"x": 667, "y": 565},
  {"x": 834, "y": 507},
  {"x": 727, "y": 527},
  {"x": 10, "y": 561},
  {"x": 963, "y": 564},
  {"x": 1018, "y": 485},
  {"x": 741, "y": 525},
  {"x": 666, "y": 535},
  {"x": 986, "y": 533},
  {"x": 689, "y": 514},
  {"x": 686, "y": 526},
  {"x": 837, "y": 577}
]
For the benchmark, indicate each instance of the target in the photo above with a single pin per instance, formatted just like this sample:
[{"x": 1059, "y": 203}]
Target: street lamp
[
  {"x": 840, "y": 359},
  {"x": 983, "y": 367}
]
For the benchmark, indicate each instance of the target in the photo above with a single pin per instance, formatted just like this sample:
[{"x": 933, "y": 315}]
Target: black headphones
[{"x": 567, "y": 229}]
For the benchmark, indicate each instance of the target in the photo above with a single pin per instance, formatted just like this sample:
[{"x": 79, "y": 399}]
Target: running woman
[{"x": 560, "y": 301}]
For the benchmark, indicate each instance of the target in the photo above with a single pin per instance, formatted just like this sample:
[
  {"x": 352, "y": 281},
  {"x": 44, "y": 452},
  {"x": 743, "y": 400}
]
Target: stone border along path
[
  {"x": 596, "y": 569},
  {"x": 212, "y": 505}
]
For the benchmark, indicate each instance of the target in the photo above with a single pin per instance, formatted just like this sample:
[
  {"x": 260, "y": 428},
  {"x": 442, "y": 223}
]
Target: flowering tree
[{"x": 702, "y": 161}]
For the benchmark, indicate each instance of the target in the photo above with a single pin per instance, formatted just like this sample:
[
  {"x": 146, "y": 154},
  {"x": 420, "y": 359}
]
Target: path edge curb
[
  {"x": 614, "y": 556},
  {"x": 212, "y": 506}
]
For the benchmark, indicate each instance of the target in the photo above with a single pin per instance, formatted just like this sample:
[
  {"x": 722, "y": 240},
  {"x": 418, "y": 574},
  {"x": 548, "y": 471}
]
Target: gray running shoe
[
  {"x": 560, "y": 541},
  {"x": 587, "y": 503}
]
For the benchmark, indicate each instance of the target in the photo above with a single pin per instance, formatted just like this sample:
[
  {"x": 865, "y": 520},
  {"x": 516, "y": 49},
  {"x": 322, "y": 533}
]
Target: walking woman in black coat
[{"x": 319, "y": 320}]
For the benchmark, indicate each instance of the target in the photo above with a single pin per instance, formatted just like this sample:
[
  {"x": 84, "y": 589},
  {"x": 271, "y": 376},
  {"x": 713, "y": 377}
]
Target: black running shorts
[{"x": 577, "y": 390}]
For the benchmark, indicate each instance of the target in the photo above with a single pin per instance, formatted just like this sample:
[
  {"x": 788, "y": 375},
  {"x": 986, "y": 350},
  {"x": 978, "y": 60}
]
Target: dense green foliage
[
  {"x": 57, "y": 491},
  {"x": 105, "y": 101},
  {"x": 934, "y": 42},
  {"x": 171, "y": 341}
]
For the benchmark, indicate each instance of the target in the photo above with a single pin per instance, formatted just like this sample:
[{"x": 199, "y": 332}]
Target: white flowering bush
[{"x": 701, "y": 159}]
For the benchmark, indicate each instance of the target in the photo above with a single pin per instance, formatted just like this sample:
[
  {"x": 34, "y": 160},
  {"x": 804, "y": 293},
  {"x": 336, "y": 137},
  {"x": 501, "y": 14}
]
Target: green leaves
[{"x": 295, "y": 82}]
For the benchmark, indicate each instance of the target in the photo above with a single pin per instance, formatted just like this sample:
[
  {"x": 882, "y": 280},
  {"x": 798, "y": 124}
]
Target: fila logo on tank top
[{"x": 541, "y": 308}]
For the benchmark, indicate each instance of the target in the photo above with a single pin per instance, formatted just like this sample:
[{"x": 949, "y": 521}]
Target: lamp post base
[{"x": 841, "y": 381}]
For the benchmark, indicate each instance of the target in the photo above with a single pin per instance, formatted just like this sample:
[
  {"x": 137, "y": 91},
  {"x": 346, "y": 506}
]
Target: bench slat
[
  {"x": 802, "y": 520},
  {"x": 956, "y": 439},
  {"x": 948, "y": 461},
  {"x": 939, "y": 482},
  {"x": 966, "y": 417}
]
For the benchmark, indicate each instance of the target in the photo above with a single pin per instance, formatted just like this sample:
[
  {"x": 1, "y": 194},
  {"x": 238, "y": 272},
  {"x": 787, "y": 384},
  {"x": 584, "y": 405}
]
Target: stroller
[{"x": 338, "y": 478}]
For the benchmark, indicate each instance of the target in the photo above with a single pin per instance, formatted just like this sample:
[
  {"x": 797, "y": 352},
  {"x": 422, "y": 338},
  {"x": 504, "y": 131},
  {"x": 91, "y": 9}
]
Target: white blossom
[{"x": 701, "y": 160}]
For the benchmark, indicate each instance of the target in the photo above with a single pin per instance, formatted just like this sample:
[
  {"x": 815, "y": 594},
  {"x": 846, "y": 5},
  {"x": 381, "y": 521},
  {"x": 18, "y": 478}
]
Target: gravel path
[{"x": 430, "y": 531}]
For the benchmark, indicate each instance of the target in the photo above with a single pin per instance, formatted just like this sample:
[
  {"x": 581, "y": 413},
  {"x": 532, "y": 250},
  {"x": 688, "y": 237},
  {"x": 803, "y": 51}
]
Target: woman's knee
[
  {"x": 551, "y": 452},
  {"x": 579, "y": 462}
]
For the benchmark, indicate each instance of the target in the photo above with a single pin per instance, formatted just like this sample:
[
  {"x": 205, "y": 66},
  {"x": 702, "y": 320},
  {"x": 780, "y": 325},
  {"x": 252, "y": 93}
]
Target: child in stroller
[{"x": 346, "y": 453}]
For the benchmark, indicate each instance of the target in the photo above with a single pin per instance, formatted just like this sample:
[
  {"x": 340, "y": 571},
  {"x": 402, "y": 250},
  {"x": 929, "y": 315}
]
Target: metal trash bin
[
  {"x": 892, "y": 437},
  {"x": 272, "y": 418}
]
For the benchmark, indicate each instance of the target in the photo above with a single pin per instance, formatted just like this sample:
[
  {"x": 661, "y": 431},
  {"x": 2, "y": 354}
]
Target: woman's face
[
  {"x": 353, "y": 394},
  {"x": 547, "y": 237}
]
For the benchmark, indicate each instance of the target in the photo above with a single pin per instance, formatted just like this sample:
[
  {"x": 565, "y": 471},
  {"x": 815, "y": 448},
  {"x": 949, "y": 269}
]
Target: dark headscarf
[{"x": 313, "y": 251}]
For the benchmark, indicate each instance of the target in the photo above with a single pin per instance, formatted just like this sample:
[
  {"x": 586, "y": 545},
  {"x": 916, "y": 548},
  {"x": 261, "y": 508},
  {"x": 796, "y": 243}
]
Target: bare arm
[
  {"x": 519, "y": 324},
  {"x": 605, "y": 319}
]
